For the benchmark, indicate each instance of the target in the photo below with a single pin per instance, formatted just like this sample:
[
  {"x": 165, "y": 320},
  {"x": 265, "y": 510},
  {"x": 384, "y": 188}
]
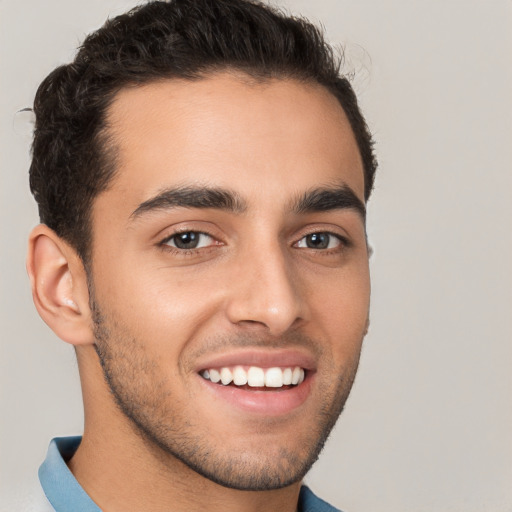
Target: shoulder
[{"x": 309, "y": 502}]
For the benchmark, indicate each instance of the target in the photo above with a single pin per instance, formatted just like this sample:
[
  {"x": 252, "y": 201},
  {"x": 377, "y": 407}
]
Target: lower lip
[{"x": 270, "y": 403}]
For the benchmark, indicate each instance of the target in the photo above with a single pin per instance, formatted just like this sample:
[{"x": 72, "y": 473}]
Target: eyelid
[
  {"x": 168, "y": 239},
  {"x": 327, "y": 228},
  {"x": 342, "y": 241},
  {"x": 189, "y": 226}
]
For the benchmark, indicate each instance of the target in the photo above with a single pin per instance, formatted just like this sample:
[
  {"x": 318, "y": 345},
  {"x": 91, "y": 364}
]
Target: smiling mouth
[{"x": 255, "y": 376}]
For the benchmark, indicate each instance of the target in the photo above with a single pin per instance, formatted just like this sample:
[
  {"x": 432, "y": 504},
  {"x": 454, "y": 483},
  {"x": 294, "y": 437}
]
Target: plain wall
[{"x": 428, "y": 426}]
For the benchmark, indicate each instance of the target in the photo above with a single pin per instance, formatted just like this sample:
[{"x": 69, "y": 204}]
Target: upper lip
[{"x": 263, "y": 358}]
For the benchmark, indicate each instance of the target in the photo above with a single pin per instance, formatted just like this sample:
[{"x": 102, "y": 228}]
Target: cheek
[
  {"x": 162, "y": 306},
  {"x": 341, "y": 308}
]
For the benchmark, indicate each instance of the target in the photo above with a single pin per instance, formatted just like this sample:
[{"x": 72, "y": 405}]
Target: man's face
[{"x": 230, "y": 245}]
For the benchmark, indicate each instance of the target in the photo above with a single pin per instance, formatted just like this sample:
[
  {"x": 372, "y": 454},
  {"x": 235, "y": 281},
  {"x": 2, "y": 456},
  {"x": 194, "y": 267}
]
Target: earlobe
[
  {"x": 59, "y": 286},
  {"x": 367, "y": 327}
]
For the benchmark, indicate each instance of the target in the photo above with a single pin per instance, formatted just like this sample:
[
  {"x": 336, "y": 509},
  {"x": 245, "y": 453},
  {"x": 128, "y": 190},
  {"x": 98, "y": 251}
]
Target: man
[{"x": 201, "y": 171}]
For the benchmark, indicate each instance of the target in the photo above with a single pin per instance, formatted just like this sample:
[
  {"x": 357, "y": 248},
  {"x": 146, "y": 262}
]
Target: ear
[
  {"x": 367, "y": 327},
  {"x": 59, "y": 286}
]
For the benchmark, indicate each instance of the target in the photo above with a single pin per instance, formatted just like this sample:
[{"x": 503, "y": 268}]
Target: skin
[{"x": 253, "y": 286}]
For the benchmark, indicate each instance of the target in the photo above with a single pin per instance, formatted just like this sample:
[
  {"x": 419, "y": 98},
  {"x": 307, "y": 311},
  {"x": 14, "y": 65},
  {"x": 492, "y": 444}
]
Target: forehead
[{"x": 231, "y": 132}]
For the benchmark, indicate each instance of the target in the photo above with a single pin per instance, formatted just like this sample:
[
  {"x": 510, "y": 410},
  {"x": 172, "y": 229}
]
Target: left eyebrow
[{"x": 324, "y": 199}]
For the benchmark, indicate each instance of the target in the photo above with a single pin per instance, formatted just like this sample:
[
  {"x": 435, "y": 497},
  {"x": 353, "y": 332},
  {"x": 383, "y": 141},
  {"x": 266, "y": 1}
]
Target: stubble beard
[{"x": 154, "y": 414}]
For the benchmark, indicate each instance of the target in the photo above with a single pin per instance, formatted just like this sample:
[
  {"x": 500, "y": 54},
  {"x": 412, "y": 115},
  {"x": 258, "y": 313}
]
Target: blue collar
[
  {"x": 59, "y": 484},
  {"x": 309, "y": 502},
  {"x": 62, "y": 489}
]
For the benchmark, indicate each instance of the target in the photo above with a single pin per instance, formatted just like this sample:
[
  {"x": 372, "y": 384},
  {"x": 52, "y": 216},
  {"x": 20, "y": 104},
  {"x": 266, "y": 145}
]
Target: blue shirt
[{"x": 62, "y": 489}]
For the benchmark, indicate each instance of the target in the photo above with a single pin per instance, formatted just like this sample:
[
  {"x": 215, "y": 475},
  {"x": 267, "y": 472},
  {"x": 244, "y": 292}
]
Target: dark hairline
[
  {"x": 73, "y": 135},
  {"x": 108, "y": 147}
]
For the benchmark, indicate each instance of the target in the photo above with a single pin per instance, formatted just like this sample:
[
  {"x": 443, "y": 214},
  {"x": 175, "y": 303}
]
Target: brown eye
[{"x": 189, "y": 240}]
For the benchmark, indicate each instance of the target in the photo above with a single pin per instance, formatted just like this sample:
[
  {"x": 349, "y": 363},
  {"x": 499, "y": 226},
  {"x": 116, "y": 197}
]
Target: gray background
[{"x": 429, "y": 424}]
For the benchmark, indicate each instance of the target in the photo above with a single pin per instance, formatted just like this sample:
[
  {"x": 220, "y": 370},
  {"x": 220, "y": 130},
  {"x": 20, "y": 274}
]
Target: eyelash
[
  {"x": 344, "y": 243},
  {"x": 164, "y": 244}
]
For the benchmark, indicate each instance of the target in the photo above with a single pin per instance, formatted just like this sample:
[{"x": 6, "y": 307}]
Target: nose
[{"x": 265, "y": 292}]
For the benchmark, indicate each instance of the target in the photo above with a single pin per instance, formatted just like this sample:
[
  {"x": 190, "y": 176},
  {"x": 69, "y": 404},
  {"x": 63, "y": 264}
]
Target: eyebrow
[
  {"x": 324, "y": 199},
  {"x": 193, "y": 197},
  {"x": 320, "y": 199}
]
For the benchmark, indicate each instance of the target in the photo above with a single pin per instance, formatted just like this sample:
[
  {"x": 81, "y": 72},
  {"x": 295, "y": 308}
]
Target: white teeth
[
  {"x": 214, "y": 376},
  {"x": 239, "y": 376},
  {"x": 226, "y": 376},
  {"x": 274, "y": 378},
  {"x": 255, "y": 376}
]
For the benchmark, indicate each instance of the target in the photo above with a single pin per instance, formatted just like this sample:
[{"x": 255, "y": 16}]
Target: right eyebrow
[{"x": 192, "y": 197}]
